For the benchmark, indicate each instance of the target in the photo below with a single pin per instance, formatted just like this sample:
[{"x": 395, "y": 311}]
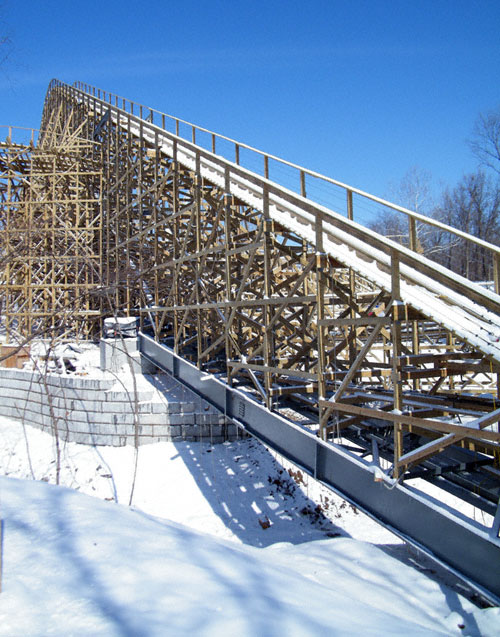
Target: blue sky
[{"x": 359, "y": 90}]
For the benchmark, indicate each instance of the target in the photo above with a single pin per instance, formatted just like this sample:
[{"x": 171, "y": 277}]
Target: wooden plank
[
  {"x": 436, "y": 446},
  {"x": 433, "y": 425}
]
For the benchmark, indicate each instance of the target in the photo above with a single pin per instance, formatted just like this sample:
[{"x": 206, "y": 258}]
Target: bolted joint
[
  {"x": 268, "y": 225},
  {"x": 400, "y": 311},
  {"x": 321, "y": 261}
]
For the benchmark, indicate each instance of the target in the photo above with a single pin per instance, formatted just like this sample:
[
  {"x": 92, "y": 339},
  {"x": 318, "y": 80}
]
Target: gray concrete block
[
  {"x": 148, "y": 437},
  {"x": 231, "y": 430},
  {"x": 83, "y": 410},
  {"x": 147, "y": 367},
  {"x": 175, "y": 431},
  {"x": 155, "y": 419},
  {"x": 144, "y": 407},
  {"x": 81, "y": 383},
  {"x": 162, "y": 431},
  {"x": 119, "y": 407},
  {"x": 107, "y": 429},
  {"x": 6, "y": 410},
  {"x": 154, "y": 407},
  {"x": 190, "y": 431},
  {"x": 182, "y": 419},
  {"x": 12, "y": 383},
  {"x": 128, "y": 430},
  {"x": 71, "y": 393},
  {"x": 16, "y": 374},
  {"x": 171, "y": 406},
  {"x": 116, "y": 353},
  {"x": 61, "y": 402},
  {"x": 16, "y": 394},
  {"x": 79, "y": 417},
  {"x": 128, "y": 396},
  {"x": 217, "y": 440},
  {"x": 18, "y": 412},
  {"x": 207, "y": 419},
  {"x": 123, "y": 419}
]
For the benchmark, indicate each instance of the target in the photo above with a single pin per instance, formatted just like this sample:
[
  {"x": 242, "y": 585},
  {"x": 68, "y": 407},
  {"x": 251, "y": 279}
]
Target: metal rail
[
  {"x": 161, "y": 120},
  {"x": 20, "y": 134},
  {"x": 458, "y": 543}
]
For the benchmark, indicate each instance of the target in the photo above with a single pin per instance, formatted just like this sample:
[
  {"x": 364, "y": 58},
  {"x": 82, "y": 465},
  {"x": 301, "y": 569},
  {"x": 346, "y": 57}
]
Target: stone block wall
[{"x": 101, "y": 411}]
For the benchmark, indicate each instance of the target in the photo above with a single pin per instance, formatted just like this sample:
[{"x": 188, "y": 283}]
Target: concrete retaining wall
[{"x": 100, "y": 411}]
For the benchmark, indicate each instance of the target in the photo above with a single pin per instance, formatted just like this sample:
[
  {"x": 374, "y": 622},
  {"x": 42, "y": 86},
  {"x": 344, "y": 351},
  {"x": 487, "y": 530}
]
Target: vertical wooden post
[
  {"x": 268, "y": 336},
  {"x": 496, "y": 271},
  {"x": 450, "y": 347},
  {"x": 353, "y": 350},
  {"x": 412, "y": 231},
  {"x": 156, "y": 205},
  {"x": 302, "y": 183},
  {"x": 396, "y": 354},
  {"x": 7, "y": 247},
  {"x": 228, "y": 208},
  {"x": 321, "y": 263},
  {"x": 350, "y": 210},
  {"x": 197, "y": 190},
  {"x": 175, "y": 249},
  {"x": 415, "y": 349}
]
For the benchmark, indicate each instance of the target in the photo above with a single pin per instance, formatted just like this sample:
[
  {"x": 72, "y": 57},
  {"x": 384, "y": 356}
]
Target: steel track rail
[{"x": 459, "y": 544}]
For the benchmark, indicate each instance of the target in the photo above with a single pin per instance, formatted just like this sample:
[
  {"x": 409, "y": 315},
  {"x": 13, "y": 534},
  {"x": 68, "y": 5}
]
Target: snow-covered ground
[
  {"x": 201, "y": 539},
  {"x": 219, "y": 540}
]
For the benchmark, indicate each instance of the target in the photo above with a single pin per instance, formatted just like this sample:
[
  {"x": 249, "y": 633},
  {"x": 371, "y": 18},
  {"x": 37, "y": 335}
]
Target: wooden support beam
[{"x": 403, "y": 419}]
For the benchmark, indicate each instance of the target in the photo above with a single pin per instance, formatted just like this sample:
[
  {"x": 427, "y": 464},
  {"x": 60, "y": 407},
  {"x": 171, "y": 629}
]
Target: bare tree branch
[{"x": 485, "y": 141}]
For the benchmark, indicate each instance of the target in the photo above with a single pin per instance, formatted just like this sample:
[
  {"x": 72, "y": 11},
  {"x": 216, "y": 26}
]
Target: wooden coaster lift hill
[{"x": 226, "y": 255}]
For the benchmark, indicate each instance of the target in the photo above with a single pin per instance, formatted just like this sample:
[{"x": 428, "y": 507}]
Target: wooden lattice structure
[
  {"x": 112, "y": 214},
  {"x": 50, "y": 236}
]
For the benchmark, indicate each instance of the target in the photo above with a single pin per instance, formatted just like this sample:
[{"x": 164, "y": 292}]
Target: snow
[
  {"x": 190, "y": 538},
  {"x": 456, "y": 311},
  {"x": 201, "y": 539},
  {"x": 219, "y": 540}
]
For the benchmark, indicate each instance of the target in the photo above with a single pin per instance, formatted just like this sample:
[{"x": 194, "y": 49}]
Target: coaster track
[{"x": 353, "y": 339}]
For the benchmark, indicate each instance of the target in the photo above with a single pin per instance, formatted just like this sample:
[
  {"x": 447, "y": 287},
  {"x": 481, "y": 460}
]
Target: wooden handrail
[{"x": 302, "y": 171}]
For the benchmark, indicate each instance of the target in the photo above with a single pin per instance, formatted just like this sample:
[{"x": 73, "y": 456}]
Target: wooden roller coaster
[{"x": 117, "y": 209}]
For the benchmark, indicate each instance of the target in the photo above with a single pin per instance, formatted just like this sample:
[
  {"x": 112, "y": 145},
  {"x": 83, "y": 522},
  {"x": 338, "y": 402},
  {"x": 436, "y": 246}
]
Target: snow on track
[{"x": 469, "y": 320}]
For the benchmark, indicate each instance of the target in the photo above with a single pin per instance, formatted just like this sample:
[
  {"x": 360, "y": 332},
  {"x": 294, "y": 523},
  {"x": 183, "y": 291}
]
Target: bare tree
[
  {"x": 474, "y": 207},
  {"x": 415, "y": 193},
  {"x": 485, "y": 141}
]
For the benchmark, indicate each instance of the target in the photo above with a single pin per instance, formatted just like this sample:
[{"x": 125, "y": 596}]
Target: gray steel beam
[{"x": 462, "y": 545}]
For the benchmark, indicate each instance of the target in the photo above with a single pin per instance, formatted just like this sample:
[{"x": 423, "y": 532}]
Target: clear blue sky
[{"x": 361, "y": 90}]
